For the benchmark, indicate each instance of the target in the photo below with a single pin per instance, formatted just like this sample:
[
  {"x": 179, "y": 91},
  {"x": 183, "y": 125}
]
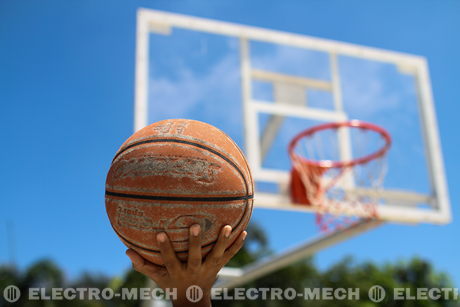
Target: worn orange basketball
[{"x": 171, "y": 175}]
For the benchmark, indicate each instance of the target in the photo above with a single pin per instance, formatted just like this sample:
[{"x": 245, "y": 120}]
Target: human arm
[{"x": 196, "y": 271}]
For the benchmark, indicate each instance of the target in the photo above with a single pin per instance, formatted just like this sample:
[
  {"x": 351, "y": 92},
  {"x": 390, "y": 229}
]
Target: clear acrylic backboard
[{"x": 262, "y": 87}]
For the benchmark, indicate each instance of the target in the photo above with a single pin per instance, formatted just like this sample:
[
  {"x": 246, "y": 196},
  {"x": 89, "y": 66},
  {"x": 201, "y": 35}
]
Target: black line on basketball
[
  {"x": 169, "y": 140},
  {"x": 217, "y": 153},
  {"x": 154, "y": 250},
  {"x": 179, "y": 198}
]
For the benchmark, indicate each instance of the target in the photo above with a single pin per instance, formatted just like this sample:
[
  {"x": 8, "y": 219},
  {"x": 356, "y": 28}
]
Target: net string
[{"x": 335, "y": 205}]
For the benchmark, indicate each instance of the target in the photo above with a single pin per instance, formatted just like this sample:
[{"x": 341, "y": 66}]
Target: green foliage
[
  {"x": 413, "y": 274},
  {"x": 44, "y": 274},
  {"x": 296, "y": 276},
  {"x": 416, "y": 273},
  {"x": 255, "y": 248},
  {"x": 131, "y": 280}
]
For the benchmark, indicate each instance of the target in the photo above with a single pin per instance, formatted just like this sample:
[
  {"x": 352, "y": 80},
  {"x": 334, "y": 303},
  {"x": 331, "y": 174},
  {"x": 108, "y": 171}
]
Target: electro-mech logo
[
  {"x": 377, "y": 294},
  {"x": 194, "y": 294},
  {"x": 11, "y": 294}
]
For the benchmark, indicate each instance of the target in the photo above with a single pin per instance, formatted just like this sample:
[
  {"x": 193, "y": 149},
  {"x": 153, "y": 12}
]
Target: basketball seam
[
  {"x": 246, "y": 198},
  {"x": 154, "y": 250},
  {"x": 179, "y": 198},
  {"x": 180, "y": 141}
]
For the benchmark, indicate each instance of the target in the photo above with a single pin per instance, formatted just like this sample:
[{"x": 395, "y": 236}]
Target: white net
[{"x": 339, "y": 171}]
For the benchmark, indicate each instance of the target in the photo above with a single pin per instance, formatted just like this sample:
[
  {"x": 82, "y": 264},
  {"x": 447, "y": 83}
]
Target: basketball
[{"x": 173, "y": 174}]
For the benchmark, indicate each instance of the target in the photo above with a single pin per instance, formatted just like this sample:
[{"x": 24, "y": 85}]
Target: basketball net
[{"x": 341, "y": 192}]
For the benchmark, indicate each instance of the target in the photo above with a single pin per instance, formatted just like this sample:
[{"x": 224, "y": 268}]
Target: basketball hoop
[{"x": 322, "y": 177}]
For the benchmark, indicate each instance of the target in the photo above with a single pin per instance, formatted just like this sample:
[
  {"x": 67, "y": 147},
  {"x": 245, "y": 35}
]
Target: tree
[
  {"x": 416, "y": 273},
  {"x": 296, "y": 276},
  {"x": 413, "y": 274}
]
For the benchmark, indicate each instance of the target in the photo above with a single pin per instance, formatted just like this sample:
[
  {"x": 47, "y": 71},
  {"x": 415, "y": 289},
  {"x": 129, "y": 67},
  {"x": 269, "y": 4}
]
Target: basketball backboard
[{"x": 262, "y": 87}]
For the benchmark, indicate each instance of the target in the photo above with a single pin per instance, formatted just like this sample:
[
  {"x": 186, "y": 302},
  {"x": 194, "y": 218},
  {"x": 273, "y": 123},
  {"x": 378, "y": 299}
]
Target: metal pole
[{"x": 276, "y": 262}]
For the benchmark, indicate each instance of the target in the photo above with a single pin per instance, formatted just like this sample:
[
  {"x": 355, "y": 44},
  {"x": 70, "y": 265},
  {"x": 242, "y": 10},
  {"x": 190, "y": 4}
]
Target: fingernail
[
  {"x": 195, "y": 230},
  {"x": 244, "y": 235},
  {"x": 161, "y": 237},
  {"x": 227, "y": 231}
]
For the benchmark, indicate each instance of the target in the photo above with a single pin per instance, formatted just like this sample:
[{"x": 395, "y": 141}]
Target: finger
[
  {"x": 194, "y": 248},
  {"x": 222, "y": 243},
  {"x": 168, "y": 254},
  {"x": 141, "y": 265},
  {"x": 235, "y": 247}
]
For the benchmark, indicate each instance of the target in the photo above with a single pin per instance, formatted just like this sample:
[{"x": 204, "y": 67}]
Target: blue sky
[{"x": 66, "y": 99}]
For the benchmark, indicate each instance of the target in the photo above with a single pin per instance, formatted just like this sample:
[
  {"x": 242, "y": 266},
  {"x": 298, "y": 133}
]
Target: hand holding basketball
[
  {"x": 171, "y": 175},
  {"x": 195, "y": 272}
]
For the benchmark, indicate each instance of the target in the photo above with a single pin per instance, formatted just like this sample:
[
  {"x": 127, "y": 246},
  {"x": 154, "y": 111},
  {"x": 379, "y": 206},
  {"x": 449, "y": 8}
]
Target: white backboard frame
[{"x": 149, "y": 21}]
